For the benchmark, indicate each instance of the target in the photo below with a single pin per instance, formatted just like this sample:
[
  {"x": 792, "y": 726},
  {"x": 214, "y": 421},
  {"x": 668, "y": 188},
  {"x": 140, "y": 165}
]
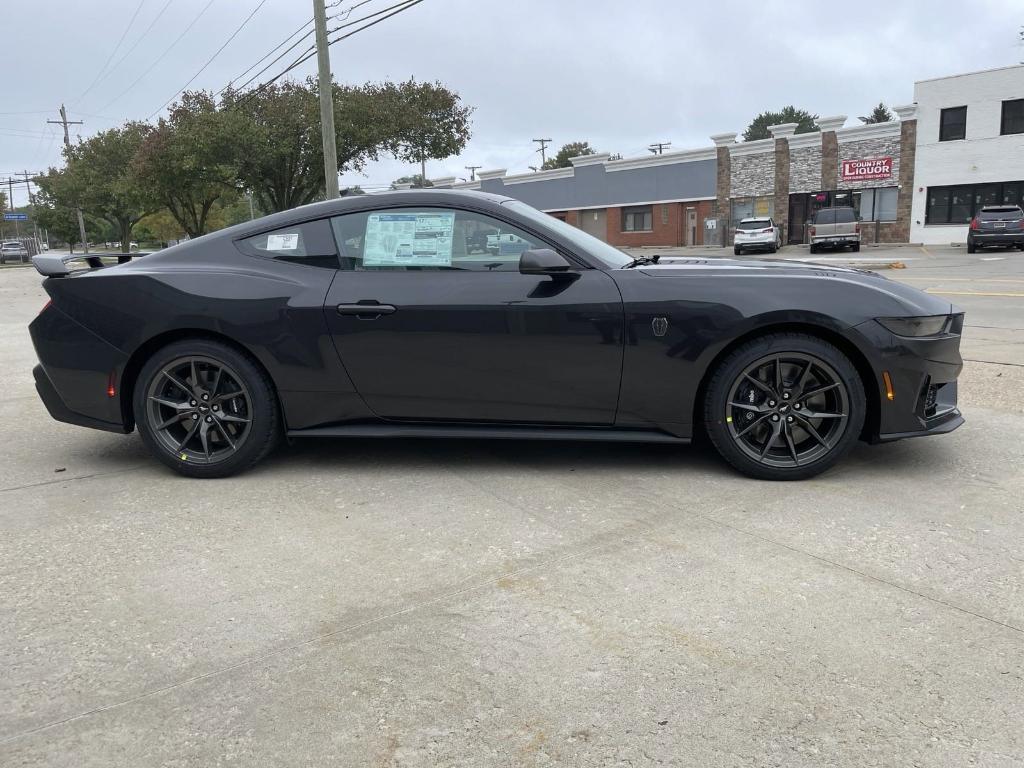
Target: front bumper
[{"x": 923, "y": 372}]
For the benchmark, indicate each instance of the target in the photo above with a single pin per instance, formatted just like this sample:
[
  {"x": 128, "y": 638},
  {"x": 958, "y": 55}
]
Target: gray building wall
[
  {"x": 593, "y": 186},
  {"x": 886, "y": 146},
  {"x": 753, "y": 175},
  {"x": 805, "y": 169}
]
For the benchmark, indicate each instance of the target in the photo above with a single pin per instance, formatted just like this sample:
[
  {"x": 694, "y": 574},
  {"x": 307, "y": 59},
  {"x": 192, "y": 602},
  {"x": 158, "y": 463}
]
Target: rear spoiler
[{"x": 56, "y": 265}]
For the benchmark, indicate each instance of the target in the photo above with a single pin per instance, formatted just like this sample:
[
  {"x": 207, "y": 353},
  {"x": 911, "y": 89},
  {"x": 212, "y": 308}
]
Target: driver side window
[{"x": 412, "y": 239}]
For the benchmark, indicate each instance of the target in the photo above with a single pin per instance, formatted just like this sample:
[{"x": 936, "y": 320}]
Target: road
[{"x": 474, "y": 603}]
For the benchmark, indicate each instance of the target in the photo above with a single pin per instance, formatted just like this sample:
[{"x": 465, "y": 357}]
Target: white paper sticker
[
  {"x": 408, "y": 239},
  {"x": 283, "y": 242}
]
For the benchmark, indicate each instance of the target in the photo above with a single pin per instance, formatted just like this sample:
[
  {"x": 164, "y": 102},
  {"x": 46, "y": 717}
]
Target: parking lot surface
[{"x": 474, "y": 603}]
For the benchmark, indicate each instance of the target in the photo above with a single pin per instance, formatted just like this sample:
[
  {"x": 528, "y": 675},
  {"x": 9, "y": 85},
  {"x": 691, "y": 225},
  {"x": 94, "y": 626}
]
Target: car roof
[
  {"x": 1008, "y": 207},
  {"x": 755, "y": 218}
]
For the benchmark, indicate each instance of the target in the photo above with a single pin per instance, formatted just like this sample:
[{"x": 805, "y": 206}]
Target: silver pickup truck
[{"x": 836, "y": 228}]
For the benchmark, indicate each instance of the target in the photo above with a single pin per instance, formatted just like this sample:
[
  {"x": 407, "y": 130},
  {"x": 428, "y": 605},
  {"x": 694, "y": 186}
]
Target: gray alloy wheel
[
  {"x": 784, "y": 406},
  {"x": 199, "y": 409},
  {"x": 205, "y": 408},
  {"x": 787, "y": 409}
]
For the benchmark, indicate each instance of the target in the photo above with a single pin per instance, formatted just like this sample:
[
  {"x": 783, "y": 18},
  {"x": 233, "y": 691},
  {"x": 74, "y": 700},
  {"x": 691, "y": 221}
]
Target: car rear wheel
[
  {"x": 971, "y": 247},
  {"x": 205, "y": 409},
  {"x": 737, "y": 250},
  {"x": 784, "y": 407}
]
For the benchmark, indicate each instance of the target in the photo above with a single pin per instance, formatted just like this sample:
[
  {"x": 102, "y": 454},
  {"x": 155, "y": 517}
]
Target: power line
[
  {"x": 134, "y": 45},
  {"x": 279, "y": 57},
  {"x": 113, "y": 51},
  {"x": 210, "y": 60},
  {"x": 306, "y": 56},
  {"x": 251, "y": 67},
  {"x": 160, "y": 57}
]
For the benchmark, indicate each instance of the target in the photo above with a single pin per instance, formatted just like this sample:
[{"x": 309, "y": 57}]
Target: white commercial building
[{"x": 970, "y": 150}]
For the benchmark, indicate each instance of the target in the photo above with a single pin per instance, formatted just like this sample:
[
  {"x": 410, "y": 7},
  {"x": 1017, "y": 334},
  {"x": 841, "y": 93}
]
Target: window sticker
[
  {"x": 409, "y": 239},
  {"x": 289, "y": 242}
]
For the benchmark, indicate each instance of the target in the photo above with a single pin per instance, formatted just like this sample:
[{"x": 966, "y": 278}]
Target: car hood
[{"x": 911, "y": 300}]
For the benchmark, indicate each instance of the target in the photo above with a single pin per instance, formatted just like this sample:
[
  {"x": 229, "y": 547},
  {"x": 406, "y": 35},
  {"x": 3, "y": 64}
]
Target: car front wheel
[
  {"x": 206, "y": 409},
  {"x": 784, "y": 407}
]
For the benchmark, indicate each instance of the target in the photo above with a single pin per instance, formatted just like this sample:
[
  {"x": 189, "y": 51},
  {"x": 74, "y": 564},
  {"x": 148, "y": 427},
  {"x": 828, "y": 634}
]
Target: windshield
[
  {"x": 607, "y": 255},
  {"x": 755, "y": 224}
]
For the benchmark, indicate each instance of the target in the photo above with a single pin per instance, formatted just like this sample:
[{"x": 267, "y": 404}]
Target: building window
[
  {"x": 959, "y": 204},
  {"x": 953, "y": 124},
  {"x": 639, "y": 218},
  {"x": 876, "y": 204},
  {"x": 1013, "y": 117}
]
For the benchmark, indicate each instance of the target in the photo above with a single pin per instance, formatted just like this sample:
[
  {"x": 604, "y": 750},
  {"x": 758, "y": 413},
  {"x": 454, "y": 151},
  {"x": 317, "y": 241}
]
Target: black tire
[
  {"x": 773, "y": 248},
  {"x": 856, "y": 248},
  {"x": 255, "y": 425},
  {"x": 971, "y": 247},
  {"x": 814, "y": 248},
  {"x": 827, "y": 446},
  {"x": 736, "y": 250}
]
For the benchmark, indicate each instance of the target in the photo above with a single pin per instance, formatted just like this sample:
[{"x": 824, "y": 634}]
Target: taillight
[
  {"x": 766, "y": 231},
  {"x": 974, "y": 223},
  {"x": 812, "y": 231},
  {"x": 856, "y": 228}
]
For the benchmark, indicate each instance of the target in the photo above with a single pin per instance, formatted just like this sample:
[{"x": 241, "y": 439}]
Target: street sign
[{"x": 15, "y": 217}]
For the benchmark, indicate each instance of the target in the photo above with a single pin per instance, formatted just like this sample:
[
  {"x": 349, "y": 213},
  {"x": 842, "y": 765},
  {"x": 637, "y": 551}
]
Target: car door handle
[{"x": 366, "y": 310}]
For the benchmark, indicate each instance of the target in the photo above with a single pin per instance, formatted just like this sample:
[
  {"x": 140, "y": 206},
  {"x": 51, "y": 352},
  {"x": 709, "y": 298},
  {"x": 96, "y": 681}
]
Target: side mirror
[{"x": 542, "y": 261}]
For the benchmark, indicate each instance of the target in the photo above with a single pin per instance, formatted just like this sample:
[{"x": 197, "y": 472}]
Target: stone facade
[
  {"x": 723, "y": 179},
  {"x": 781, "y": 188},
  {"x": 805, "y": 169},
  {"x": 829, "y": 160},
  {"x": 753, "y": 175},
  {"x": 885, "y": 146}
]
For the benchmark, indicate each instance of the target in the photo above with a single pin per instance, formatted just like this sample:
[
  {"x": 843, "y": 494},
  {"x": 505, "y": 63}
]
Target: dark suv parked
[{"x": 997, "y": 225}]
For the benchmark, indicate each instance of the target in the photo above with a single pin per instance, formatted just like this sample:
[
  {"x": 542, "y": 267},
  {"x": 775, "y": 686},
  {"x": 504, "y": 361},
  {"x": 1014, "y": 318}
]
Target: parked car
[
  {"x": 322, "y": 321},
  {"x": 758, "y": 234},
  {"x": 834, "y": 228},
  {"x": 11, "y": 250},
  {"x": 996, "y": 225}
]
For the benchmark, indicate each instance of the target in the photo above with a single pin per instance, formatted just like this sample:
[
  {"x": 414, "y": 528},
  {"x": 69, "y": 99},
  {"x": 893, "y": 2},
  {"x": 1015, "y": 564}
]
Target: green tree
[
  {"x": 879, "y": 114},
  {"x": 429, "y": 121},
  {"x": 758, "y": 128},
  {"x": 572, "y": 149},
  {"x": 416, "y": 180},
  {"x": 3, "y": 201},
  {"x": 280, "y": 154},
  {"x": 105, "y": 183},
  {"x": 55, "y": 209},
  {"x": 190, "y": 160}
]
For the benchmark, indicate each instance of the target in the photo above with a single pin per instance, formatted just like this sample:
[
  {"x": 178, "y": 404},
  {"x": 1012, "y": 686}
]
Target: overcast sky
[{"x": 618, "y": 74}]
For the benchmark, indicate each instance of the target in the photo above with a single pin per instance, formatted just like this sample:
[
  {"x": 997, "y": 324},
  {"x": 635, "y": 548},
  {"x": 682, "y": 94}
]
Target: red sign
[{"x": 867, "y": 170}]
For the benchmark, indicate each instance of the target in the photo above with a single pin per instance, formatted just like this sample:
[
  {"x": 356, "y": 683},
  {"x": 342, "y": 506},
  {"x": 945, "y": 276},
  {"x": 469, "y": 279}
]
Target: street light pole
[{"x": 323, "y": 60}]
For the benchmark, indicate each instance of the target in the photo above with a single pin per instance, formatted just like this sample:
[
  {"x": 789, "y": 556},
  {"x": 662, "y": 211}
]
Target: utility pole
[
  {"x": 31, "y": 202},
  {"x": 658, "y": 147},
  {"x": 472, "y": 171},
  {"x": 323, "y": 60},
  {"x": 10, "y": 198},
  {"x": 67, "y": 143},
  {"x": 543, "y": 147}
]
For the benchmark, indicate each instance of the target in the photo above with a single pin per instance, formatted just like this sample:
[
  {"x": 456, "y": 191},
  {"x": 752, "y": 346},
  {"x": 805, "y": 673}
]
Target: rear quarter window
[{"x": 309, "y": 243}]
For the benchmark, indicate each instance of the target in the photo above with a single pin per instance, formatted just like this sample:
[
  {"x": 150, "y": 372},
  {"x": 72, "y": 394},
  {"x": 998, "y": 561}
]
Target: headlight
[{"x": 932, "y": 325}]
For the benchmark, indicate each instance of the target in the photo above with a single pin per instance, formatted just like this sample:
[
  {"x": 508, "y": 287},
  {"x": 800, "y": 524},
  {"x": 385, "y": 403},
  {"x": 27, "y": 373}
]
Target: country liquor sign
[{"x": 868, "y": 169}]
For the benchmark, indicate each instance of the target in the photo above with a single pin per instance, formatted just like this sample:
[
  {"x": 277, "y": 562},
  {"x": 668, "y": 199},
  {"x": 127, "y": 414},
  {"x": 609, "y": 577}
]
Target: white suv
[{"x": 757, "y": 233}]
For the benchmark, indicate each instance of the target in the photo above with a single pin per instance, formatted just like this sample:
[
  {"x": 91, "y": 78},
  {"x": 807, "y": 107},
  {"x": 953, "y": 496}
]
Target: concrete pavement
[{"x": 474, "y": 603}]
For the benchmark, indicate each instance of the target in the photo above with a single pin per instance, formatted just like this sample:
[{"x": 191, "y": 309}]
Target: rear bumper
[
  {"x": 766, "y": 243},
  {"x": 996, "y": 238},
  {"x": 59, "y": 410},
  {"x": 75, "y": 372},
  {"x": 835, "y": 239}
]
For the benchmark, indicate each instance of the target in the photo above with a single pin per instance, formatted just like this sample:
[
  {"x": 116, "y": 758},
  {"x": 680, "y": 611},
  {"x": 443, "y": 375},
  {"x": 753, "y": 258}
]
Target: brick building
[{"x": 695, "y": 197}]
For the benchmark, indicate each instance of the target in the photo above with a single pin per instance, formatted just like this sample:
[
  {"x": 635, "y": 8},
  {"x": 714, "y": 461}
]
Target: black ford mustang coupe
[{"x": 460, "y": 314}]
